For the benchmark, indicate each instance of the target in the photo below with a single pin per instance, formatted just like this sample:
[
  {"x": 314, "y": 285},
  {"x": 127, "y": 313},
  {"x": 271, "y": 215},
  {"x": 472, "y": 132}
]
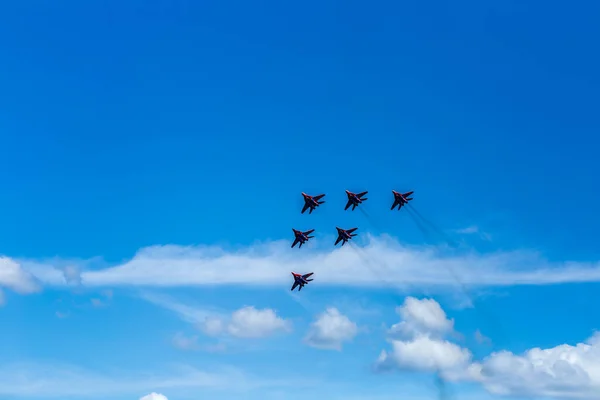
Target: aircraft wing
[
  {"x": 295, "y": 242},
  {"x": 338, "y": 240},
  {"x": 348, "y": 204},
  {"x": 304, "y": 208},
  {"x": 394, "y": 205},
  {"x": 309, "y": 232},
  {"x": 351, "y": 230},
  {"x": 294, "y": 285},
  {"x": 362, "y": 194},
  {"x": 319, "y": 197},
  {"x": 408, "y": 193},
  {"x": 307, "y": 275}
]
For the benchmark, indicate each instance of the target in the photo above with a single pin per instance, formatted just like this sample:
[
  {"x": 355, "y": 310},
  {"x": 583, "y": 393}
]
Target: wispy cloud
[
  {"x": 193, "y": 314},
  {"x": 63, "y": 381},
  {"x": 102, "y": 302},
  {"x": 61, "y": 315},
  {"x": 186, "y": 342},
  {"x": 381, "y": 261},
  {"x": 474, "y": 230},
  {"x": 481, "y": 338},
  {"x": 14, "y": 277},
  {"x": 468, "y": 230},
  {"x": 247, "y": 322}
]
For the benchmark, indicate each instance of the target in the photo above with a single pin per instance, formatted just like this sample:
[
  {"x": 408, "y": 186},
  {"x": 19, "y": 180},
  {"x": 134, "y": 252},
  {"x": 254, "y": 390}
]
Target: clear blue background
[{"x": 128, "y": 124}]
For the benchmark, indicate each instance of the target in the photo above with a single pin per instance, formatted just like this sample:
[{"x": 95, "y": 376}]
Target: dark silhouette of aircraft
[
  {"x": 311, "y": 202},
  {"x": 354, "y": 199},
  {"x": 301, "y": 280},
  {"x": 344, "y": 235},
  {"x": 301, "y": 237}
]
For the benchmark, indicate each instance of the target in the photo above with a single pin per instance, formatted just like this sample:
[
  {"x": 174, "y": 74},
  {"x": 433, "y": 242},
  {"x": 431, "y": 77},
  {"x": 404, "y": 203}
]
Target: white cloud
[
  {"x": 331, "y": 330},
  {"x": 393, "y": 263},
  {"x": 154, "y": 396},
  {"x": 247, "y": 322},
  {"x": 418, "y": 340},
  {"x": 421, "y": 317},
  {"x": 424, "y": 353},
  {"x": 562, "y": 372},
  {"x": 14, "y": 277}
]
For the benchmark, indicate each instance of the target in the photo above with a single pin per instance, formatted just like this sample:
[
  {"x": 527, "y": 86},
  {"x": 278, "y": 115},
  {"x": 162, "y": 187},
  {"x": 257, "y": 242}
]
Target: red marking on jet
[
  {"x": 354, "y": 199},
  {"x": 311, "y": 202}
]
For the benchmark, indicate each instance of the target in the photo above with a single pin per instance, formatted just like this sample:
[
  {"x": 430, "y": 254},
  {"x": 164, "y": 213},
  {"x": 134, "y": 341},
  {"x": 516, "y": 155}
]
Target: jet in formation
[
  {"x": 354, "y": 199},
  {"x": 301, "y": 237},
  {"x": 311, "y": 202},
  {"x": 301, "y": 280},
  {"x": 344, "y": 235},
  {"x": 401, "y": 199}
]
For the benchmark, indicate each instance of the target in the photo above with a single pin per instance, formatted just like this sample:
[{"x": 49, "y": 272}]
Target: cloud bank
[
  {"x": 562, "y": 372},
  {"x": 381, "y": 261}
]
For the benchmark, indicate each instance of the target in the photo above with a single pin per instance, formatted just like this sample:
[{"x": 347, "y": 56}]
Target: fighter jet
[
  {"x": 301, "y": 280},
  {"x": 301, "y": 237},
  {"x": 311, "y": 202},
  {"x": 400, "y": 199},
  {"x": 354, "y": 199},
  {"x": 344, "y": 235}
]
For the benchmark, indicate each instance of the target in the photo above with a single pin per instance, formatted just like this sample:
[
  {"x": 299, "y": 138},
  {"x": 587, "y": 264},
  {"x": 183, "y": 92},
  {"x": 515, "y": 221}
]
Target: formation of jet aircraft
[{"x": 343, "y": 235}]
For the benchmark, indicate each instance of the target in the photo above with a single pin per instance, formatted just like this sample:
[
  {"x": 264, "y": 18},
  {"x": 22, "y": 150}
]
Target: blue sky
[{"x": 153, "y": 155}]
